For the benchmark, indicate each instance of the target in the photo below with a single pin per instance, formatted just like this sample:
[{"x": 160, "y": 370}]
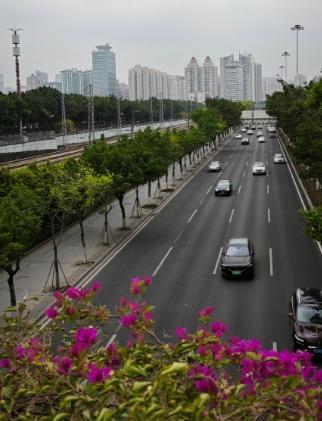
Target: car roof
[
  {"x": 259, "y": 163},
  {"x": 240, "y": 241},
  {"x": 309, "y": 295},
  {"x": 223, "y": 181},
  {"x": 214, "y": 162},
  {"x": 278, "y": 154}
]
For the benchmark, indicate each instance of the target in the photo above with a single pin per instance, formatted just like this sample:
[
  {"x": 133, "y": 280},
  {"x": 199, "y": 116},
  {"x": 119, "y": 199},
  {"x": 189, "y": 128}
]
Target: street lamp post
[
  {"x": 297, "y": 28},
  {"x": 281, "y": 69},
  {"x": 285, "y": 55},
  {"x": 16, "y": 54}
]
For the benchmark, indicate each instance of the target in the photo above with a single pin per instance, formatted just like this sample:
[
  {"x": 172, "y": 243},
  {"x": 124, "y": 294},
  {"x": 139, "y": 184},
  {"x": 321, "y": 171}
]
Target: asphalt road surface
[{"x": 181, "y": 247}]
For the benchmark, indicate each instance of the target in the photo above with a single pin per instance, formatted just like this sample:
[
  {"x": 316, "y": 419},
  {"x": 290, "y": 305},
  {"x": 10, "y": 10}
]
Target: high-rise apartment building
[
  {"x": 209, "y": 79},
  {"x": 234, "y": 81},
  {"x": 270, "y": 85},
  {"x": 36, "y": 80},
  {"x": 1, "y": 83},
  {"x": 258, "y": 83},
  {"x": 192, "y": 77},
  {"x": 145, "y": 83},
  {"x": 104, "y": 71},
  {"x": 252, "y": 78}
]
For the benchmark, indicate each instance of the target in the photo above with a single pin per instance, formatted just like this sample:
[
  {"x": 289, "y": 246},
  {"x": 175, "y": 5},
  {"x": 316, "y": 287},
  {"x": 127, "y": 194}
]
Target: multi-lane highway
[{"x": 181, "y": 247}]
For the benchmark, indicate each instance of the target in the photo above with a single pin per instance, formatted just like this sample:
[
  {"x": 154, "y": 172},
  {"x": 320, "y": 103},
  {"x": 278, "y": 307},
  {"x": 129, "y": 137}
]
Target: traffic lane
[
  {"x": 139, "y": 257},
  {"x": 186, "y": 276}
]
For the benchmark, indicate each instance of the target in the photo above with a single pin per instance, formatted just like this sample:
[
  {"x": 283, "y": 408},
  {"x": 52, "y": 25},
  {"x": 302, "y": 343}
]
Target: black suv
[
  {"x": 223, "y": 188},
  {"x": 305, "y": 315},
  {"x": 238, "y": 259}
]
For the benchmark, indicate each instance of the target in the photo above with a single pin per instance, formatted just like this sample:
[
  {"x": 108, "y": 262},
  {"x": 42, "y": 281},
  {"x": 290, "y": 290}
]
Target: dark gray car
[{"x": 238, "y": 259}]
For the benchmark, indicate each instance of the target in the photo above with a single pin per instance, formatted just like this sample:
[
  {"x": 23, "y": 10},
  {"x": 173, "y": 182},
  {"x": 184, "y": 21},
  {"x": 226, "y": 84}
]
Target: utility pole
[
  {"x": 285, "y": 55},
  {"x": 63, "y": 119},
  {"x": 281, "y": 69},
  {"x": 16, "y": 54},
  {"x": 297, "y": 28},
  {"x": 119, "y": 124},
  {"x": 91, "y": 115}
]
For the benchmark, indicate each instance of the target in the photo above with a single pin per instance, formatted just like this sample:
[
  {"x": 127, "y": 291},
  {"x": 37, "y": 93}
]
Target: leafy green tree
[
  {"x": 20, "y": 220},
  {"x": 229, "y": 110},
  {"x": 313, "y": 219}
]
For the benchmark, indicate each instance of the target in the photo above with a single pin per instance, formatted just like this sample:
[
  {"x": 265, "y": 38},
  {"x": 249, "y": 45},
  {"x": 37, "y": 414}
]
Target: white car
[
  {"x": 261, "y": 139},
  {"x": 244, "y": 141},
  {"x": 279, "y": 158},
  {"x": 260, "y": 133},
  {"x": 238, "y": 136},
  {"x": 250, "y": 132},
  {"x": 259, "y": 168},
  {"x": 243, "y": 130},
  {"x": 214, "y": 166}
]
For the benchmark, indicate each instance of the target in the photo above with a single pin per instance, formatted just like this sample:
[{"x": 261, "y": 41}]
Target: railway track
[{"x": 71, "y": 152}]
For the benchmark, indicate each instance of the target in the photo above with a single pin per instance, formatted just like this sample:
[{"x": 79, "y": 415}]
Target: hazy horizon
[{"x": 159, "y": 34}]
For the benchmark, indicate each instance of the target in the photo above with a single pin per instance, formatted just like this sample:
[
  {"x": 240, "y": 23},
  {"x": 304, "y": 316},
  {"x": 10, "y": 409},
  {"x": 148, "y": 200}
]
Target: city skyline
[{"x": 148, "y": 33}]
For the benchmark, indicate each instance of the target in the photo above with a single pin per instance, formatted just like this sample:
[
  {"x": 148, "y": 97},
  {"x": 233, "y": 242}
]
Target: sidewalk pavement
[{"x": 34, "y": 278}]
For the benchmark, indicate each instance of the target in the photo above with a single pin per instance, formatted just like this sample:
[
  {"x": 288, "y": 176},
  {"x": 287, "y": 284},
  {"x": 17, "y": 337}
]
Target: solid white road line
[
  {"x": 162, "y": 261},
  {"x": 217, "y": 262},
  {"x": 267, "y": 189},
  {"x": 209, "y": 190},
  {"x": 239, "y": 189},
  {"x": 274, "y": 346},
  {"x": 231, "y": 215},
  {"x": 269, "y": 215},
  {"x": 195, "y": 211},
  {"x": 271, "y": 262}
]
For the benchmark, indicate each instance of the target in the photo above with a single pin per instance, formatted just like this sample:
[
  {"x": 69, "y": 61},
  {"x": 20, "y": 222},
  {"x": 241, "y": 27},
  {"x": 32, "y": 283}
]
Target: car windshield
[
  {"x": 237, "y": 250},
  {"x": 310, "y": 314},
  {"x": 259, "y": 164},
  {"x": 278, "y": 155},
  {"x": 223, "y": 184}
]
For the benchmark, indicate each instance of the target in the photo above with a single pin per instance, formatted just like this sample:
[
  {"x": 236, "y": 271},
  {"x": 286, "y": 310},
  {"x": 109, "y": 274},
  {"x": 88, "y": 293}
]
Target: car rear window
[
  {"x": 309, "y": 314},
  {"x": 237, "y": 250}
]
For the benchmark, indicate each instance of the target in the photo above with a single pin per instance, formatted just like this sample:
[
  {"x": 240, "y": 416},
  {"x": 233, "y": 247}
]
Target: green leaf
[
  {"x": 69, "y": 399},
  {"x": 175, "y": 368},
  {"x": 61, "y": 416},
  {"x": 138, "y": 386}
]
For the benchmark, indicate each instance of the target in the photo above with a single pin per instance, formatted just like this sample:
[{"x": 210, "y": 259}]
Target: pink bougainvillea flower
[
  {"x": 218, "y": 328},
  {"x": 71, "y": 310},
  {"x": 97, "y": 374},
  {"x": 63, "y": 364},
  {"x": 59, "y": 296},
  {"x": 147, "y": 281},
  {"x": 76, "y": 349},
  {"x": 128, "y": 320},
  {"x": 51, "y": 312},
  {"x": 136, "y": 286},
  {"x": 181, "y": 333},
  {"x": 5, "y": 363},
  {"x": 96, "y": 286},
  {"x": 206, "y": 312},
  {"x": 86, "y": 336},
  {"x": 73, "y": 293},
  {"x": 20, "y": 352},
  {"x": 147, "y": 316}
]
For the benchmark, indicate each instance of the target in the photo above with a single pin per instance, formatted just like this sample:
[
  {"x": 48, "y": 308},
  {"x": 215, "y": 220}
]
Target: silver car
[
  {"x": 279, "y": 158},
  {"x": 259, "y": 168},
  {"x": 214, "y": 166}
]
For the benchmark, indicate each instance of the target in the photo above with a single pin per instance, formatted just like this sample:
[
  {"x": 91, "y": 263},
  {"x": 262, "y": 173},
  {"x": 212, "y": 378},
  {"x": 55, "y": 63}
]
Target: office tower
[
  {"x": 234, "y": 81},
  {"x": 36, "y": 80},
  {"x": 258, "y": 83},
  {"x": 71, "y": 81},
  {"x": 104, "y": 70},
  {"x": 209, "y": 79},
  {"x": 1, "y": 83},
  {"x": 248, "y": 63},
  {"x": 192, "y": 77},
  {"x": 223, "y": 62}
]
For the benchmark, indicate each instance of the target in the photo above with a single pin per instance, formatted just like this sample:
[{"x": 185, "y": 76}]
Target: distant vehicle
[
  {"x": 243, "y": 130},
  {"x": 272, "y": 135},
  {"x": 238, "y": 259},
  {"x": 259, "y": 127},
  {"x": 261, "y": 139},
  {"x": 247, "y": 126},
  {"x": 260, "y": 133},
  {"x": 223, "y": 188},
  {"x": 253, "y": 127},
  {"x": 244, "y": 141},
  {"x": 250, "y": 131},
  {"x": 271, "y": 129},
  {"x": 279, "y": 158},
  {"x": 238, "y": 136},
  {"x": 305, "y": 316},
  {"x": 214, "y": 166},
  {"x": 259, "y": 168}
]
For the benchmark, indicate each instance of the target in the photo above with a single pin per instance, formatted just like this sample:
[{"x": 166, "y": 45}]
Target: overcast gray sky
[{"x": 163, "y": 34}]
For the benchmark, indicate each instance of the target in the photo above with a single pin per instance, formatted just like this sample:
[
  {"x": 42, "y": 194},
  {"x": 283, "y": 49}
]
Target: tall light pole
[
  {"x": 285, "y": 55},
  {"x": 16, "y": 54},
  {"x": 281, "y": 69},
  {"x": 297, "y": 28}
]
